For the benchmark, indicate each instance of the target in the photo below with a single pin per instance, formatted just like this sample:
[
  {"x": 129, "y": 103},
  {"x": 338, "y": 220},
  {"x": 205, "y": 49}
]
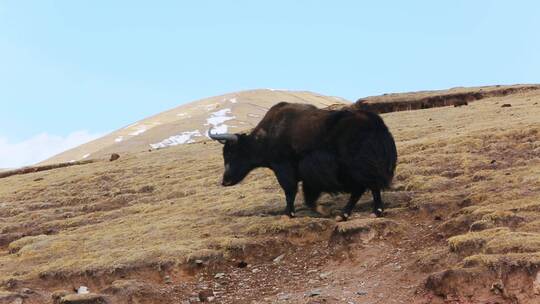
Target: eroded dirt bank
[{"x": 432, "y": 99}]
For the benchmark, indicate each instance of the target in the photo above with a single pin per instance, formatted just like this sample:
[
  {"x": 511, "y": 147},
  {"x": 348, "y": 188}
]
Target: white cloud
[{"x": 39, "y": 148}]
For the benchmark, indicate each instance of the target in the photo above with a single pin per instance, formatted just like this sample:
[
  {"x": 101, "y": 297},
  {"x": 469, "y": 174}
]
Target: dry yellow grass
[
  {"x": 474, "y": 164},
  {"x": 142, "y": 210}
]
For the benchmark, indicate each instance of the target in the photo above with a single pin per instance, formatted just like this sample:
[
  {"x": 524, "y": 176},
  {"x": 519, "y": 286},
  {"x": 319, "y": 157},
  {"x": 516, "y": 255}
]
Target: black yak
[{"x": 333, "y": 151}]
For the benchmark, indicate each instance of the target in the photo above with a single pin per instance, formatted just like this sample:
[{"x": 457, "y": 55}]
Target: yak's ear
[{"x": 260, "y": 134}]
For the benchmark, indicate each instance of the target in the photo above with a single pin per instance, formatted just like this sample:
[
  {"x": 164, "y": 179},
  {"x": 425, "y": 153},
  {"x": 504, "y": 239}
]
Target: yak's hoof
[
  {"x": 377, "y": 213},
  {"x": 288, "y": 215},
  {"x": 342, "y": 218}
]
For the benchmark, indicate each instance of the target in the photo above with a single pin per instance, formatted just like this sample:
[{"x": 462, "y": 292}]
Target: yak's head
[{"x": 239, "y": 156}]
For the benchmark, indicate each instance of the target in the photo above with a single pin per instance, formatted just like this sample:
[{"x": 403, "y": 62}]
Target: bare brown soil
[{"x": 462, "y": 224}]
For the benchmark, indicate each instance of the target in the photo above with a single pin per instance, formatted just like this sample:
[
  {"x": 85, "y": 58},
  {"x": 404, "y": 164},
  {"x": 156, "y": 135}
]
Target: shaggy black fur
[{"x": 346, "y": 151}]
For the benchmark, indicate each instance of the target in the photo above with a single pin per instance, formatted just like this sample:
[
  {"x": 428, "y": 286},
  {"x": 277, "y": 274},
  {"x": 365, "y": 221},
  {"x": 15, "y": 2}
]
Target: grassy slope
[{"x": 476, "y": 167}]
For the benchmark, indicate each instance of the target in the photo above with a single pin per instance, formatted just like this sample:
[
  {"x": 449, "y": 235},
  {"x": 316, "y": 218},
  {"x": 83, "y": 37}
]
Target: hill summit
[{"x": 188, "y": 123}]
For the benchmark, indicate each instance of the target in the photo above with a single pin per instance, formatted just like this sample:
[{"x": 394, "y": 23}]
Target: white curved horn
[{"x": 222, "y": 137}]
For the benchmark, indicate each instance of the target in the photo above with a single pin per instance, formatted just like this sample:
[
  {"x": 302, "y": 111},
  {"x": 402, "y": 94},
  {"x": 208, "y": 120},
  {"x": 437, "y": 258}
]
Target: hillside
[
  {"x": 462, "y": 224},
  {"x": 188, "y": 123}
]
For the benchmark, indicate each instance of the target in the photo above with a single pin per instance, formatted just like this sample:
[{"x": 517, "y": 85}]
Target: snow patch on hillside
[
  {"x": 183, "y": 115},
  {"x": 140, "y": 130},
  {"x": 217, "y": 119},
  {"x": 182, "y": 138},
  {"x": 86, "y": 156},
  {"x": 233, "y": 100},
  {"x": 119, "y": 139},
  {"x": 209, "y": 107}
]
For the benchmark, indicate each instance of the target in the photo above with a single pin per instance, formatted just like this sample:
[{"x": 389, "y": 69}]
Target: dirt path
[{"x": 355, "y": 269}]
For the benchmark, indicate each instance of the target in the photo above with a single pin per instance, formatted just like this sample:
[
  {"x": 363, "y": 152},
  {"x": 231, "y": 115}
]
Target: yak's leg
[
  {"x": 346, "y": 213},
  {"x": 378, "y": 206},
  {"x": 310, "y": 196},
  {"x": 286, "y": 177}
]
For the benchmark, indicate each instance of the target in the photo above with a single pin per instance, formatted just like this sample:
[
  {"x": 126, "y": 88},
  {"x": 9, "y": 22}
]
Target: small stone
[
  {"x": 283, "y": 296},
  {"x": 497, "y": 288},
  {"x": 279, "y": 258},
  {"x": 114, "y": 157},
  {"x": 82, "y": 290},
  {"x": 205, "y": 295},
  {"x": 219, "y": 275},
  {"x": 255, "y": 270},
  {"x": 312, "y": 281},
  {"x": 506, "y": 105},
  {"x": 315, "y": 293},
  {"x": 361, "y": 292},
  {"x": 167, "y": 279},
  {"x": 325, "y": 275},
  {"x": 146, "y": 189},
  {"x": 199, "y": 262},
  {"x": 241, "y": 264}
]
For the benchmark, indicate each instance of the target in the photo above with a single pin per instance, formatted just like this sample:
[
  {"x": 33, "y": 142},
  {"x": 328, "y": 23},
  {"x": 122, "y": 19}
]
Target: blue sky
[{"x": 73, "y": 70}]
